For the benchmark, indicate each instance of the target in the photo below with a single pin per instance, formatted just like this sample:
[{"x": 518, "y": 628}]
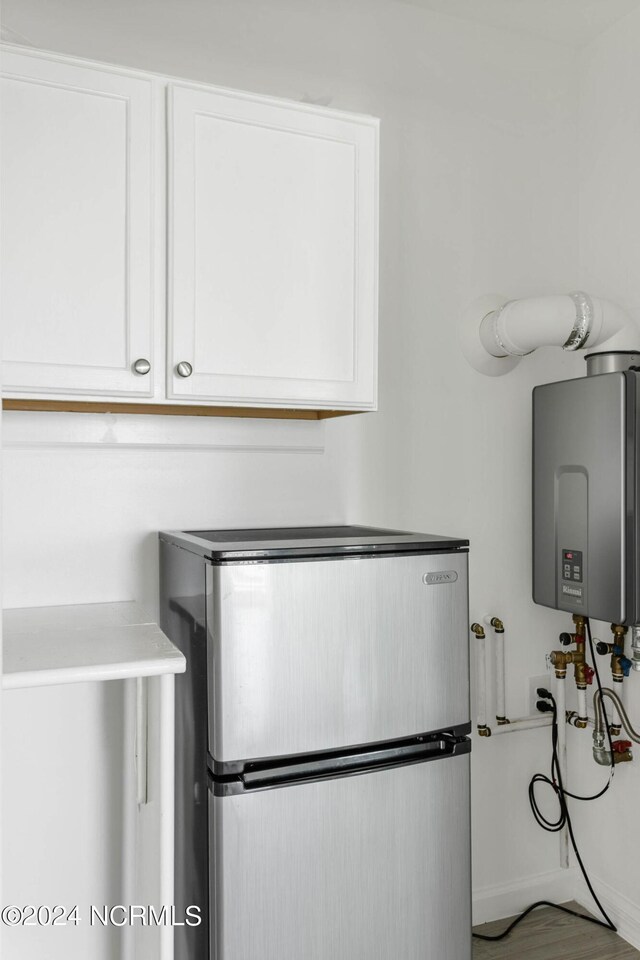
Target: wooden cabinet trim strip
[{"x": 172, "y": 410}]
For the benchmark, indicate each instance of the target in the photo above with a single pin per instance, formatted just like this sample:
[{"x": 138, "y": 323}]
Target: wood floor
[{"x": 551, "y": 935}]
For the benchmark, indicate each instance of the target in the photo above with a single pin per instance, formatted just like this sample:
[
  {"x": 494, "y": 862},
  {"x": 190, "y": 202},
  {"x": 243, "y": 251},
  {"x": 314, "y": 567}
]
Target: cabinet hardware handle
[
  {"x": 184, "y": 369},
  {"x": 142, "y": 366}
]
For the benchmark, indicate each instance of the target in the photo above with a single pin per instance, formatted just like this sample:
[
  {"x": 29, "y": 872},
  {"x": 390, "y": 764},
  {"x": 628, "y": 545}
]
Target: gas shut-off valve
[{"x": 620, "y": 664}]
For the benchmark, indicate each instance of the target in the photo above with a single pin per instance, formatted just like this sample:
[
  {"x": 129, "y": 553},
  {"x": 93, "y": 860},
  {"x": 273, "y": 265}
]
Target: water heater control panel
[
  {"x": 572, "y": 565},
  {"x": 571, "y": 576}
]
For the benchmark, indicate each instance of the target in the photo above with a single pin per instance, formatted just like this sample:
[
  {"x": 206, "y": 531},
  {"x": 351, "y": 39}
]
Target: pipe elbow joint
[
  {"x": 496, "y": 333},
  {"x": 602, "y": 756}
]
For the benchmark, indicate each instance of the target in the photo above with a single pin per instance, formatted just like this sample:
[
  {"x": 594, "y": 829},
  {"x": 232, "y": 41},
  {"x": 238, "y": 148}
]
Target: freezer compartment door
[
  {"x": 367, "y": 867},
  {"x": 321, "y": 655}
]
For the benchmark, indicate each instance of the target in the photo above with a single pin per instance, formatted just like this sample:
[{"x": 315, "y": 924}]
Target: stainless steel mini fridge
[{"x": 322, "y": 758}]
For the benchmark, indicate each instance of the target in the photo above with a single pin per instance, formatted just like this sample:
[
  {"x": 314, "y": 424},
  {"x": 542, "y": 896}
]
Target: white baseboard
[
  {"x": 508, "y": 899},
  {"x": 624, "y": 912}
]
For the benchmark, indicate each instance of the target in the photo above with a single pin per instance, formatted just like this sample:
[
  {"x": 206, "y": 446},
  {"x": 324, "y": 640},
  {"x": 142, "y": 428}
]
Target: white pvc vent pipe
[{"x": 496, "y": 333}]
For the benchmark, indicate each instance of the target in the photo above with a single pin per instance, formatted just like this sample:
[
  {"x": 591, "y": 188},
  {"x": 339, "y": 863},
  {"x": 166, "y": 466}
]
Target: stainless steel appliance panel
[
  {"x": 580, "y": 543},
  {"x": 317, "y": 655},
  {"x": 288, "y": 542},
  {"x": 182, "y": 617},
  {"x": 368, "y": 867}
]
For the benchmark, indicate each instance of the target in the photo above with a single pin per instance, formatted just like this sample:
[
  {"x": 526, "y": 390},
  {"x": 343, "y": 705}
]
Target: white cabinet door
[
  {"x": 77, "y": 228},
  {"x": 272, "y": 252}
]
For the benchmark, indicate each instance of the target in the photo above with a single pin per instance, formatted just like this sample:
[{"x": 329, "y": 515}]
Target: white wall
[
  {"x": 81, "y": 525},
  {"x": 609, "y": 258},
  {"x": 479, "y": 193}
]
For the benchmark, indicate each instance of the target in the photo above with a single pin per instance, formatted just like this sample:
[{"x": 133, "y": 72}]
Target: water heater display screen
[{"x": 572, "y": 565}]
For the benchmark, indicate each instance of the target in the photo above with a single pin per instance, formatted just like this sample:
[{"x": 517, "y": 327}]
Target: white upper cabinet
[
  {"x": 272, "y": 252},
  {"x": 76, "y": 228},
  {"x": 271, "y": 218}
]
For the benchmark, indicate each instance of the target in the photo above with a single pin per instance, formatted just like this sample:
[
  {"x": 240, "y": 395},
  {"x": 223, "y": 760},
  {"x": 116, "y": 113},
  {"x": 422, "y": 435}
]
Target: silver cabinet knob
[
  {"x": 184, "y": 369},
  {"x": 142, "y": 366}
]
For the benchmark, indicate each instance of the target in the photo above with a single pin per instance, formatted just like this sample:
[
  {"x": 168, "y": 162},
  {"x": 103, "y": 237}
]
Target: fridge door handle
[{"x": 335, "y": 766}]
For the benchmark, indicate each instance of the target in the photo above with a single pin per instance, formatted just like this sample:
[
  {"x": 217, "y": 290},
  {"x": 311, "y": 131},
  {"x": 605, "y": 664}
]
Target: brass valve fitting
[
  {"x": 484, "y": 731},
  {"x": 619, "y": 632},
  {"x": 478, "y": 629},
  {"x": 579, "y": 622},
  {"x": 622, "y": 751},
  {"x": 561, "y": 659},
  {"x": 576, "y": 721},
  {"x": 497, "y": 624},
  {"x": 581, "y": 675}
]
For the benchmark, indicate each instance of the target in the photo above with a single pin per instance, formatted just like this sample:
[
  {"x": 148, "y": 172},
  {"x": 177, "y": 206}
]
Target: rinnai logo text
[
  {"x": 572, "y": 591},
  {"x": 442, "y": 576}
]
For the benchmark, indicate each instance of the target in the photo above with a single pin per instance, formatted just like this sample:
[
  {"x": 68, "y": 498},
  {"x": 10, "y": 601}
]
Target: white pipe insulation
[
  {"x": 501, "y": 713},
  {"x": 523, "y": 723},
  {"x": 496, "y": 333},
  {"x": 614, "y": 718},
  {"x": 484, "y": 660},
  {"x": 582, "y": 704},
  {"x": 496, "y": 625},
  {"x": 482, "y": 681}
]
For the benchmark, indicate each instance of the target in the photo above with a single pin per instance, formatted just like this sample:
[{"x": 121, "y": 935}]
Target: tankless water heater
[{"x": 586, "y": 491}]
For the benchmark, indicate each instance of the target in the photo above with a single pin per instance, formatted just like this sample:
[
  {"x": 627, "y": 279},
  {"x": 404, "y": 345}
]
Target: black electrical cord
[
  {"x": 564, "y": 817},
  {"x": 534, "y": 906},
  {"x": 567, "y": 793}
]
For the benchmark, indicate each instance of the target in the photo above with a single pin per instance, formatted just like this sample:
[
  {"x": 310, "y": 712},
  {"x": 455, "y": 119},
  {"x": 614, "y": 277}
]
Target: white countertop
[{"x": 75, "y": 644}]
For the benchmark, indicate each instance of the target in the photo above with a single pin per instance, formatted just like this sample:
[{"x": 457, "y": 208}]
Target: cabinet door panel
[
  {"x": 273, "y": 250},
  {"x": 77, "y": 228}
]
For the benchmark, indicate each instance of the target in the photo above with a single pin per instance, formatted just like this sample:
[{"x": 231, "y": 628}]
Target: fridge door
[
  {"x": 368, "y": 867},
  {"x": 318, "y": 655}
]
